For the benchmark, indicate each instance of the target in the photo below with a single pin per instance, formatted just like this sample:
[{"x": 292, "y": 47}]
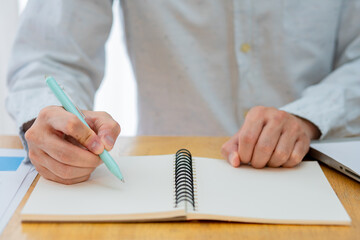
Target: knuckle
[
  {"x": 111, "y": 124},
  {"x": 257, "y": 111},
  {"x": 66, "y": 172},
  {"x": 114, "y": 127},
  {"x": 44, "y": 113},
  {"x": 280, "y": 116},
  {"x": 30, "y": 135},
  {"x": 297, "y": 128},
  {"x": 281, "y": 155},
  {"x": 71, "y": 125},
  {"x": 265, "y": 148},
  {"x": 63, "y": 156},
  {"x": 85, "y": 139},
  {"x": 247, "y": 138}
]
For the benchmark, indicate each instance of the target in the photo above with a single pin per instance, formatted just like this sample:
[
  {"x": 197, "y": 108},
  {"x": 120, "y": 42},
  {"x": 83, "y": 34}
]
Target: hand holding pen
[{"x": 63, "y": 149}]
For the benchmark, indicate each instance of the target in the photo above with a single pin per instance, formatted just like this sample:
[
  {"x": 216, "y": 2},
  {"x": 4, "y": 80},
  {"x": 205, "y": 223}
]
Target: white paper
[
  {"x": 299, "y": 195},
  {"x": 148, "y": 189},
  {"x": 10, "y": 184},
  {"x": 17, "y": 198}
]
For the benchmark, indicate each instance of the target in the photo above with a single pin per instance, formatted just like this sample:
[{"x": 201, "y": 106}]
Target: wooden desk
[{"x": 347, "y": 190}]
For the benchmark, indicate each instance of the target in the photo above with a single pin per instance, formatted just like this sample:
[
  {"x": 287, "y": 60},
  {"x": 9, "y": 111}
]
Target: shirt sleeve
[
  {"x": 65, "y": 39},
  {"x": 333, "y": 105}
]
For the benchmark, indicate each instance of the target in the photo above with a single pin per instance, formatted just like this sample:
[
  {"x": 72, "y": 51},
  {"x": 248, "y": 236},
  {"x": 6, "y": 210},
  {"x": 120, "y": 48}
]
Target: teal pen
[{"x": 70, "y": 107}]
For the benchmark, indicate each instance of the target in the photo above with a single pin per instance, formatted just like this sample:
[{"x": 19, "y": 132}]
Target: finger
[
  {"x": 229, "y": 151},
  {"x": 283, "y": 149},
  {"x": 46, "y": 173},
  {"x": 266, "y": 144},
  {"x": 72, "y": 140},
  {"x": 248, "y": 136},
  {"x": 300, "y": 149},
  {"x": 105, "y": 126},
  {"x": 70, "y": 154},
  {"x": 71, "y": 125},
  {"x": 62, "y": 170}
]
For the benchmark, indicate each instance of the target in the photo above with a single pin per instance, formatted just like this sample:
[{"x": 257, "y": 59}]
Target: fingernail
[
  {"x": 95, "y": 146},
  {"x": 232, "y": 158},
  {"x": 109, "y": 140}
]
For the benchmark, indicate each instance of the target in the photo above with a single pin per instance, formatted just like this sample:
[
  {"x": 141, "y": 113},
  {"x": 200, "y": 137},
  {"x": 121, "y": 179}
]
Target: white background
[{"x": 117, "y": 94}]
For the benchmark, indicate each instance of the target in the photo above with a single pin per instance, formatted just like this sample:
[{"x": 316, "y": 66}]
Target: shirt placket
[{"x": 243, "y": 11}]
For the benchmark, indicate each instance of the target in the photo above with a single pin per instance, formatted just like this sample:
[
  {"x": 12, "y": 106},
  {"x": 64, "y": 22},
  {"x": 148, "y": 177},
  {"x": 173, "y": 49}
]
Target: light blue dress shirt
[{"x": 200, "y": 65}]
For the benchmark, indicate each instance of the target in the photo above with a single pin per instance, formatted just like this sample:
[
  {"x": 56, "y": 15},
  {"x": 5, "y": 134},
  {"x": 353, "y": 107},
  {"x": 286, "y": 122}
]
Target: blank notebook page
[
  {"x": 273, "y": 195},
  {"x": 148, "y": 188}
]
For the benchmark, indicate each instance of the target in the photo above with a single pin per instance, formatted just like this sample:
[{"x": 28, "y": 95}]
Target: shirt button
[{"x": 245, "y": 47}]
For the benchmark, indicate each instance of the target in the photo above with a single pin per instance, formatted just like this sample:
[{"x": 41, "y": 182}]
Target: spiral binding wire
[{"x": 184, "y": 180}]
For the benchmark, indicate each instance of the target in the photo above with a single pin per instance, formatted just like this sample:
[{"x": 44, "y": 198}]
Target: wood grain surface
[{"x": 346, "y": 189}]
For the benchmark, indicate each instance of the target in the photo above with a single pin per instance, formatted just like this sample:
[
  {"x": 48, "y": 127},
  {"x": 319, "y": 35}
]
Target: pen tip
[
  {"x": 117, "y": 173},
  {"x": 119, "y": 176}
]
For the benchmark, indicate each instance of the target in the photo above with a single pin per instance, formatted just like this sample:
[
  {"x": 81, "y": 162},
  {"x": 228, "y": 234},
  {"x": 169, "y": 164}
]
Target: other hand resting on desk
[
  {"x": 63, "y": 149},
  {"x": 270, "y": 137}
]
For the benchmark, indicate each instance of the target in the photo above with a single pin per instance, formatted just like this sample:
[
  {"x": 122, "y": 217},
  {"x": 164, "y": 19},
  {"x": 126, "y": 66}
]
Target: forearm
[
  {"x": 333, "y": 104},
  {"x": 57, "y": 38}
]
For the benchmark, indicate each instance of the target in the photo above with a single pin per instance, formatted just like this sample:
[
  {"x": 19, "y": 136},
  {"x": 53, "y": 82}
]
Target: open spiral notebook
[{"x": 181, "y": 187}]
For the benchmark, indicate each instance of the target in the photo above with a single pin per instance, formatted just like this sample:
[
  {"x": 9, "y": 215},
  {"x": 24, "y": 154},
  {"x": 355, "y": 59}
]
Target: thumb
[
  {"x": 229, "y": 150},
  {"x": 105, "y": 126}
]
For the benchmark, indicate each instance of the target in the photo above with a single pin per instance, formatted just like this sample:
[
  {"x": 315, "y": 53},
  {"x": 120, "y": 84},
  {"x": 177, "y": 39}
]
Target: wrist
[{"x": 311, "y": 129}]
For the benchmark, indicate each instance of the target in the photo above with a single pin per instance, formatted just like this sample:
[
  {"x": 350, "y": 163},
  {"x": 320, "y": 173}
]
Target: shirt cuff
[{"x": 24, "y": 143}]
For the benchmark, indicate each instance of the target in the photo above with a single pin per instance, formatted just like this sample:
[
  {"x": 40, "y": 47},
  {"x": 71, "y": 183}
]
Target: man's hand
[
  {"x": 270, "y": 137},
  {"x": 63, "y": 149}
]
